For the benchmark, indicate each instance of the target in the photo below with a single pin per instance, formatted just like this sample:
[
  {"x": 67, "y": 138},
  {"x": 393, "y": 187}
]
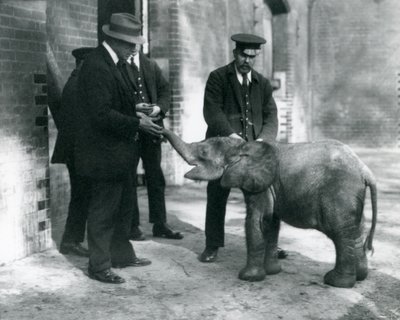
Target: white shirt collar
[
  {"x": 111, "y": 52},
  {"x": 136, "y": 60},
  {"x": 240, "y": 77}
]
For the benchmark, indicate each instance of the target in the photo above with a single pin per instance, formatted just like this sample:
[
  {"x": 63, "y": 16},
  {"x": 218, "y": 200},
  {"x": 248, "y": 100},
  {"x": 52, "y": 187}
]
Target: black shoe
[
  {"x": 162, "y": 230},
  {"x": 136, "y": 262},
  {"x": 282, "y": 254},
  {"x": 136, "y": 234},
  {"x": 106, "y": 276},
  {"x": 74, "y": 248},
  {"x": 209, "y": 254}
]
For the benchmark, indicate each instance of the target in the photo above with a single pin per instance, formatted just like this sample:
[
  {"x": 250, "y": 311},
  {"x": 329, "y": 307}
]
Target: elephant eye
[{"x": 203, "y": 152}]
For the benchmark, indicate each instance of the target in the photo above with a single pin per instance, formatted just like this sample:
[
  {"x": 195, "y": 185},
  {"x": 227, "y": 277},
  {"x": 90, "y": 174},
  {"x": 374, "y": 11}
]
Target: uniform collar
[{"x": 240, "y": 77}]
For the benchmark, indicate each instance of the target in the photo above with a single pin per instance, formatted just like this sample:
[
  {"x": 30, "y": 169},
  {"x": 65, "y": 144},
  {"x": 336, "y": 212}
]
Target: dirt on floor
[{"x": 176, "y": 285}]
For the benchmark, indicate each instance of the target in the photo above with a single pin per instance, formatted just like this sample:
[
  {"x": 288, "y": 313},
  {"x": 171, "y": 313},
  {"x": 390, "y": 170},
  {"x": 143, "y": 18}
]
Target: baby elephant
[{"x": 319, "y": 185}]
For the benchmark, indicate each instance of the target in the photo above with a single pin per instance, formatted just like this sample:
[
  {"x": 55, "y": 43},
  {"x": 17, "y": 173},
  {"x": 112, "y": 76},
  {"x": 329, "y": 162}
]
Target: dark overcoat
[
  {"x": 64, "y": 146},
  {"x": 224, "y": 110},
  {"x": 106, "y": 125}
]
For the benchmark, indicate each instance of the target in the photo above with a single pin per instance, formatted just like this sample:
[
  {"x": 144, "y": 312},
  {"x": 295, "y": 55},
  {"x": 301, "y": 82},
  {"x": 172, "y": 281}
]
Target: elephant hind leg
[
  {"x": 361, "y": 257},
  {"x": 362, "y": 264},
  {"x": 344, "y": 274}
]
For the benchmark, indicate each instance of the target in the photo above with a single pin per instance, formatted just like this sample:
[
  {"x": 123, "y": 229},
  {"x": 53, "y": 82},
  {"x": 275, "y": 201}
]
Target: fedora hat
[{"x": 125, "y": 27}]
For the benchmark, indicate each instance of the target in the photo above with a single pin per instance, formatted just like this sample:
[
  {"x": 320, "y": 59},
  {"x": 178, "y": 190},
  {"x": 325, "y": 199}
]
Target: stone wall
[{"x": 355, "y": 71}]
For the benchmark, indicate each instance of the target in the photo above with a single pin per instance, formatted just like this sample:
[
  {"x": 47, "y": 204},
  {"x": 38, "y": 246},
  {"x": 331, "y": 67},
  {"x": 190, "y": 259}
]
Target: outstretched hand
[{"x": 147, "y": 125}]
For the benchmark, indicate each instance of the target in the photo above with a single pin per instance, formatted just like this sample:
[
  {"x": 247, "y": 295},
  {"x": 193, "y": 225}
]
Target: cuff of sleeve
[{"x": 156, "y": 111}]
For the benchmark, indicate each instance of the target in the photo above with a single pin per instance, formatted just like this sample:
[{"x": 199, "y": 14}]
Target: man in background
[
  {"x": 152, "y": 92},
  {"x": 75, "y": 226}
]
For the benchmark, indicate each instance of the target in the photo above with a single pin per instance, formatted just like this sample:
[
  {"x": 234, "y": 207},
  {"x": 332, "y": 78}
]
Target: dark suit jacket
[
  {"x": 63, "y": 149},
  {"x": 223, "y": 101},
  {"x": 106, "y": 125}
]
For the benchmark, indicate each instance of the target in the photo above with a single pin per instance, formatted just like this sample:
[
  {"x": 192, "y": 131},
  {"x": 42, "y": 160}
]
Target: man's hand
[
  {"x": 156, "y": 110},
  {"x": 145, "y": 108},
  {"x": 151, "y": 110},
  {"x": 236, "y": 136},
  {"x": 146, "y": 125}
]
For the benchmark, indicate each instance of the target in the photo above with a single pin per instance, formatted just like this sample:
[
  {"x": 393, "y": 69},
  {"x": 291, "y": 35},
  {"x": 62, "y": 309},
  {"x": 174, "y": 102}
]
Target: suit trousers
[
  {"x": 150, "y": 153},
  {"x": 108, "y": 225},
  {"x": 75, "y": 225},
  {"x": 217, "y": 198}
]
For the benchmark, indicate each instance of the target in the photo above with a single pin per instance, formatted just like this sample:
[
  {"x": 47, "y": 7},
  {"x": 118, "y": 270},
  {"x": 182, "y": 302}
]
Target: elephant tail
[{"x": 370, "y": 182}]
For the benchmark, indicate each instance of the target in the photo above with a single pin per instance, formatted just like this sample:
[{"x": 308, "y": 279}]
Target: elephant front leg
[{"x": 254, "y": 269}]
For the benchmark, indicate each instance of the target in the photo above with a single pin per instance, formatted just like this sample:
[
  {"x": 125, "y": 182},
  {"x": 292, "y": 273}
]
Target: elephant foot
[
  {"x": 336, "y": 279},
  {"x": 272, "y": 267},
  {"x": 252, "y": 273},
  {"x": 362, "y": 269}
]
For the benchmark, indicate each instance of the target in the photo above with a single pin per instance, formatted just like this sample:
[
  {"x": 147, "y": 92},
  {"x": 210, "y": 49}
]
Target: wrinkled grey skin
[{"x": 319, "y": 185}]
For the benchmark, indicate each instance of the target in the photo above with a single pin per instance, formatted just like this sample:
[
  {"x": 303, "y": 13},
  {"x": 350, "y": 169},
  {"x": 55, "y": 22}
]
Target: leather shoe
[
  {"x": 282, "y": 254},
  {"x": 136, "y": 234},
  {"x": 136, "y": 262},
  {"x": 209, "y": 254},
  {"x": 162, "y": 230},
  {"x": 74, "y": 248},
  {"x": 106, "y": 276}
]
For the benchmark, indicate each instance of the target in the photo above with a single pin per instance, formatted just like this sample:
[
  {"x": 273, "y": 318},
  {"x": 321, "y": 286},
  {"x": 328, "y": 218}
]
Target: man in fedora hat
[
  {"x": 238, "y": 103},
  {"x": 106, "y": 147},
  {"x": 75, "y": 226}
]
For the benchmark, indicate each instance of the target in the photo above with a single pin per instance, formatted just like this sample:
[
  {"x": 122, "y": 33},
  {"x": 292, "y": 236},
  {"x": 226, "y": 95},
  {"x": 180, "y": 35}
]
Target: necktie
[
  {"x": 134, "y": 66},
  {"x": 245, "y": 83},
  {"x": 121, "y": 65},
  {"x": 123, "y": 68}
]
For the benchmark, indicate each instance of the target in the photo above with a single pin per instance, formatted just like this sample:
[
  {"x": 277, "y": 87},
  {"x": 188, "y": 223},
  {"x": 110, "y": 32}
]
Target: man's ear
[{"x": 252, "y": 168}]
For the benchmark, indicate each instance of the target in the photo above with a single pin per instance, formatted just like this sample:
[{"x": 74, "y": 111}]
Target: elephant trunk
[{"x": 184, "y": 149}]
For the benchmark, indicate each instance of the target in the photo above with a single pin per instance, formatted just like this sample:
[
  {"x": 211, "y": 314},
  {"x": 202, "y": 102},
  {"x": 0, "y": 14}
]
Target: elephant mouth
[
  {"x": 202, "y": 172},
  {"x": 194, "y": 172}
]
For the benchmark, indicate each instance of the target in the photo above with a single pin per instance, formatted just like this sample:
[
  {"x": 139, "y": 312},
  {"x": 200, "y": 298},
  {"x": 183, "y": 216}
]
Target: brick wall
[
  {"x": 355, "y": 66},
  {"x": 24, "y": 175},
  {"x": 69, "y": 24},
  {"x": 31, "y": 34}
]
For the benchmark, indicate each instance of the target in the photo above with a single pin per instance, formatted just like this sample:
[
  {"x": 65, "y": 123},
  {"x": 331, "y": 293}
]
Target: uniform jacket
[
  {"x": 223, "y": 100},
  {"x": 63, "y": 149},
  {"x": 106, "y": 125},
  {"x": 157, "y": 86}
]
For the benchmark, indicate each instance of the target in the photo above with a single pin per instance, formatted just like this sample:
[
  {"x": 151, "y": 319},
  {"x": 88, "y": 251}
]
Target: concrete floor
[{"x": 176, "y": 286}]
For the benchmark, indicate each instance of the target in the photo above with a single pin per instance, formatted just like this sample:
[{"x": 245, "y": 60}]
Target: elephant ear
[{"x": 251, "y": 167}]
